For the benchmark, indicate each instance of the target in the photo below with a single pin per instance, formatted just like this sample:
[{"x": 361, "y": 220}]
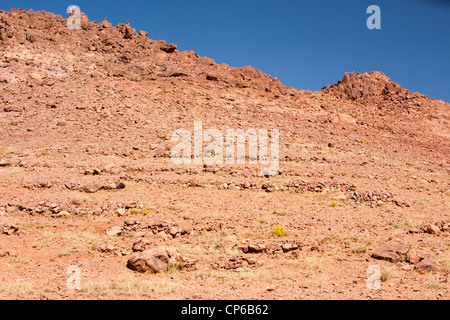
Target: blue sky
[{"x": 305, "y": 44}]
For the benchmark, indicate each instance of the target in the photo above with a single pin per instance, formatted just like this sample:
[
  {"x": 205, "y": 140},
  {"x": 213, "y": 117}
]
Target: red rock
[
  {"x": 390, "y": 252},
  {"x": 152, "y": 261},
  {"x": 143, "y": 33},
  {"x": 432, "y": 229},
  {"x": 414, "y": 257},
  {"x": 9, "y": 229},
  {"x": 168, "y": 47},
  {"x": 256, "y": 248},
  {"x": 428, "y": 265}
]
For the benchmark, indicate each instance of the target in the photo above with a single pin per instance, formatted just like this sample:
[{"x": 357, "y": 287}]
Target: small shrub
[
  {"x": 395, "y": 225},
  {"x": 144, "y": 212},
  {"x": 334, "y": 204},
  {"x": 385, "y": 275},
  {"x": 360, "y": 250},
  {"x": 283, "y": 213},
  {"x": 178, "y": 265},
  {"x": 79, "y": 200},
  {"x": 279, "y": 231}
]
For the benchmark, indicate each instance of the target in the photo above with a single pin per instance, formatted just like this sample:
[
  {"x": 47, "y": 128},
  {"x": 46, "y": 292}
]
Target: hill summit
[{"x": 355, "y": 86}]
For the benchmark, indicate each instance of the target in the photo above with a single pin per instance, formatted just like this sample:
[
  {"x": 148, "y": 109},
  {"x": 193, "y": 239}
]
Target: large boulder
[
  {"x": 390, "y": 252},
  {"x": 428, "y": 265},
  {"x": 152, "y": 261},
  {"x": 168, "y": 47}
]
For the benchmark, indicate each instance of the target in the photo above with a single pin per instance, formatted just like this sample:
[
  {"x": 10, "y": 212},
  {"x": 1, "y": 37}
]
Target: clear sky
[{"x": 306, "y": 44}]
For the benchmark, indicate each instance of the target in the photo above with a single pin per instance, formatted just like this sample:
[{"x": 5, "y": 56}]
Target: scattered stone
[
  {"x": 408, "y": 267},
  {"x": 107, "y": 248},
  {"x": 247, "y": 185},
  {"x": 11, "y": 209},
  {"x": 173, "y": 231},
  {"x": 319, "y": 248},
  {"x": 130, "y": 222},
  {"x": 12, "y": 109},
  {"x": 376, "y": 198},
  {"x": 129, "y": 32},
  {"x": 428, "y": 265},
  {"x": 414, "y": 257},
  {"x": 105, "y": 24},
  {"x": 341, "y": 197},
  {"x": 120, "y": 186},
  {"x": 287, "y": 247},
  {"x": 94, "y": 187},
  {"x": 271, "y": 288},
  {"x": 4, "y": 79},
  {"x": 121, "y": 212},
  {"x": 234, "y": 263},
  {"x": 4, "y": 253},
  {"x": 162, "y": 235},
  {"x": 63, "y": 214},
  {"x": 256, "y": 248},
  {"x": 5, "y": 163},
  {"x": 9, "y": 229},
  {"x": 211, "y": 77},
  {"x": 141, "y": 245},
  {"x": 243, "y": 248},
  {"x": 91, "y": 188},
  {"x": 97, "y": 212},
  {"x": 91, "y": 172},
  {"x": 111, "y": 169},
  {"x": 114, "y": 231},
  {"x": 432, "y": 229},
  {"x": 168, "y": 47},
  {"x": 183, "y": 263}
]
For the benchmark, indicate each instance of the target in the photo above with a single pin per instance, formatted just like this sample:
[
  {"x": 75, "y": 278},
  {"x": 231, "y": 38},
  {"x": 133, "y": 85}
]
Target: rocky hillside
[
  {"x": 101, "y": 50},
  {"x": 86, "y": 178}
]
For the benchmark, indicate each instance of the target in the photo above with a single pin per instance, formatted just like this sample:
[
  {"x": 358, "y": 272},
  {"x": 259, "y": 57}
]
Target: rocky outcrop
[{"x": 356, "y": 86}]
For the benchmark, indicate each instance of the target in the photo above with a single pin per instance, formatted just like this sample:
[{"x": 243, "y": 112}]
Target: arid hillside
[{"x": 87, "y": 180}]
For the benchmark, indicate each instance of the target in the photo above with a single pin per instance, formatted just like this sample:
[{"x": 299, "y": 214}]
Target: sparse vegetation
[
  {"x": 16, "y": 289},
  {"x": 385, "y": 274},
  {"x": 79, "y": 199},
  {"x": 282, "y": 213},
  {"x": 125, "y": 286},
  {"x": 176, "y": 266},
  {"x": 279, "y": 231},
  {"x": 19, "y": 261},
  {"x": 142, "y": 211},
  {"x": 360, "y": 250}
]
